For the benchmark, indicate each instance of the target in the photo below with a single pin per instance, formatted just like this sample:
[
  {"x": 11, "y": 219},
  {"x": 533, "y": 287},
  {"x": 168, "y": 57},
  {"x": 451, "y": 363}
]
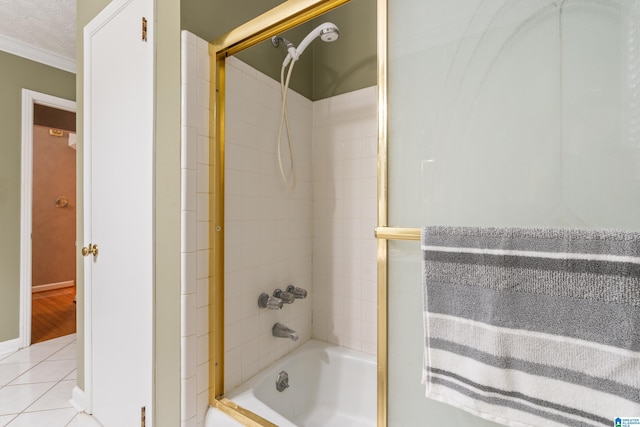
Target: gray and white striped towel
[{"x": 533, "y": 327}]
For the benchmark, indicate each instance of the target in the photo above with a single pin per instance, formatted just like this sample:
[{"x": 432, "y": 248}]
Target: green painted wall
[
  {"x": 211, "y": 19},
  {"x": 15, "y": 74},
  {"x": 268, "y": 59},
  {"x": 349, "y": 63},
  {"x": 325, "y": 69},
  {"x": 167, "y": 216},
  {"x": 167, "y": 205}
]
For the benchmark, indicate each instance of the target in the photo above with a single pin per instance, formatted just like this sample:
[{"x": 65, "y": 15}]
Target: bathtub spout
[{"x": 281, "y": 331}]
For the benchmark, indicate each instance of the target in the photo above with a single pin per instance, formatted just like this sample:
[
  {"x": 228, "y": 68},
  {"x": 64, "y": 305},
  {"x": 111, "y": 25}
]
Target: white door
[{"x": 118, "y": 180}]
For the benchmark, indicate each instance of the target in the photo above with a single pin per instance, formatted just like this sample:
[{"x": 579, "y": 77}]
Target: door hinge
[
  {"x": 143, "y": 416},
  {"x": 144, "y": 29}
]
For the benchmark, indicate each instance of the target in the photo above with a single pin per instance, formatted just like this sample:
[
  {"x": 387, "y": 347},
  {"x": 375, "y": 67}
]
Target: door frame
[{"x": 29, "y": 99}]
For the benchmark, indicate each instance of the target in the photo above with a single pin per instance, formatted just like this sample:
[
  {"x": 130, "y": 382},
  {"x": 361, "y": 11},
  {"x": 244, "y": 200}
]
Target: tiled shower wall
[
  {"x": 195, "y": 231},
  {"x": 268, "y": 226},
  {"x": 344, "y": 215},
  {"x": 318, "y": 236}
]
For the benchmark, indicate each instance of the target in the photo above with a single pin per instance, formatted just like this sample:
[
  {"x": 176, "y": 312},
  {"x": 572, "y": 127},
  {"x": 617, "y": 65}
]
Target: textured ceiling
[{"x": 45, "y": 24}]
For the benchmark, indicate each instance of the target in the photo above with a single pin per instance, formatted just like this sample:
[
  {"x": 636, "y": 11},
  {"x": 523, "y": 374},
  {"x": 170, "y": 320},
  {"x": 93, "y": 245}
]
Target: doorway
[
  {"x": 53, "y": 266},
  {"x": 48, "y": 218}
]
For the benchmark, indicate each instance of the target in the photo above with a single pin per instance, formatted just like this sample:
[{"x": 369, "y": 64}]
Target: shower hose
[{"x": 289, "y": 180}]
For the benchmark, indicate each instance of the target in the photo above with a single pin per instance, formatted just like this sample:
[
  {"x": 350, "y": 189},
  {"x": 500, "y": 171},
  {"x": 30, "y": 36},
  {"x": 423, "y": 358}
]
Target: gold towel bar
[{"x": 397, "y": 233}]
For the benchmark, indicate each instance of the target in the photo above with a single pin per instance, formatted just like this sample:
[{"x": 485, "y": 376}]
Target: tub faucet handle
[
  {"x": 266, "y": 301},
  {"x": 286, "y": 297},
  {"x": 297, "y": 292}
]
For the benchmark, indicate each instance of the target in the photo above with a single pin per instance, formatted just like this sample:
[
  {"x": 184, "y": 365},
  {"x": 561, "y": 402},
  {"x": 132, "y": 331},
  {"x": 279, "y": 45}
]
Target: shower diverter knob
[
  {"x": 297, "y": 292},
  {"x": 286, "y": 297}
]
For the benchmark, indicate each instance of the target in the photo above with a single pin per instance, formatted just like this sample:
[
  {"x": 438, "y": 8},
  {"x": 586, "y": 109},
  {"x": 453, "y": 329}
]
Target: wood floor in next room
[{"x": 53, "y": 314}]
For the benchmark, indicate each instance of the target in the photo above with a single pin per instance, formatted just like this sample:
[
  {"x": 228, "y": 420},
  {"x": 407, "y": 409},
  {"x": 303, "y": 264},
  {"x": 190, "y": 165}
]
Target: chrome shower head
[{"x": 328, "y": 32}]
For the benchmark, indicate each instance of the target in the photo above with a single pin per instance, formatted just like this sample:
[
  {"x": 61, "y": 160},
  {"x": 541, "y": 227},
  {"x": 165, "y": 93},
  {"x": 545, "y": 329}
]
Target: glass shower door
[{"x": 502, "y": 113}]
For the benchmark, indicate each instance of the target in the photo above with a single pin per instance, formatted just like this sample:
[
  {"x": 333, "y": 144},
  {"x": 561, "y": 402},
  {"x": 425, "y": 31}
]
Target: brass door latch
[{"x": 91, "y": 250}]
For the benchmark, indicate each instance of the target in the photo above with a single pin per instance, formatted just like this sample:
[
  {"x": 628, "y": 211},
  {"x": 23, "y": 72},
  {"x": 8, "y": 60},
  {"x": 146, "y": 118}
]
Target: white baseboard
[
  {"x": 52, "y": 286},
  {"x": 77, "y": 400},
  {"x": 9, "y": 346}
]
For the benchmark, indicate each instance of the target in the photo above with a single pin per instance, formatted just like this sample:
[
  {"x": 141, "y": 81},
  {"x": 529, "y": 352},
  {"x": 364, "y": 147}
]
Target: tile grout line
[{"x": 49, "y": 389}]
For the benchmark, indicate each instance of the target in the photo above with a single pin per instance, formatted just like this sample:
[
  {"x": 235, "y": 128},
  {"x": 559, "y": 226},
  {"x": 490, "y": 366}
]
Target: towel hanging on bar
[{"x": 533, "y": 327}]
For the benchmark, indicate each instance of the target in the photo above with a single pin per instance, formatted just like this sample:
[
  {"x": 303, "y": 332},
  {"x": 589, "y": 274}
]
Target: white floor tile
[
  {"x": 11, "y": 371},
  {"x": 16, "y": 398},
  {"x": 72, "y": 376},
  {"x": 46, "y": 371},
  {"x": 54, "y": 418},
  {"x": 56, "y": 398},
  {"x": 36, "y": 384},
  {"x": 65, "y": 339},
  {"x": 68, "y": 352},
  {"x": 5, "y": 419},
  {"x": 84, "y": 420},
  {"x": 35, "y": 353}
]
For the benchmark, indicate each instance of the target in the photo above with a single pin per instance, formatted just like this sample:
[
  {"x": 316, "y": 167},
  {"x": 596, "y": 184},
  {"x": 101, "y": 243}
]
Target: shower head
[{"x": 328, "y": 32}]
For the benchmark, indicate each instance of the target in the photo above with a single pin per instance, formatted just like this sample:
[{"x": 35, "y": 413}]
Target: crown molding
[{"x": 37, "y": 54}]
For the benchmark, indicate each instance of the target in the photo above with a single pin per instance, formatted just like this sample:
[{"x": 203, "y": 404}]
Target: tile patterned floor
[{"x": 36, "y": 384}]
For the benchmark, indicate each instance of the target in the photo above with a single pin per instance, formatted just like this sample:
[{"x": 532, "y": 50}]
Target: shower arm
[{"x": 276, "y": 40}]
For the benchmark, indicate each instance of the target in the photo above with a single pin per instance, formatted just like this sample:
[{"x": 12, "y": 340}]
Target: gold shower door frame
[{"x": 277, "y": 20}]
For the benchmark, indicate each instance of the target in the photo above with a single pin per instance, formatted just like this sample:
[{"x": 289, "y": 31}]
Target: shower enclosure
[
  {"x": 266, "y": 234},
  {"x": 501, "y": 113}
]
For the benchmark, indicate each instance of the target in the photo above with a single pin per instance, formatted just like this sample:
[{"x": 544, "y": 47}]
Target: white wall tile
[
  {"x": 189, "y": 106},
  {"x": 345, "y": 210},
  {"x": 202, "y": 377},
  {"x": 202, "y": 120},
  {"x": 202, "y": 321},
  {"x": 202, "y": 264},
  {"x": 188, "y": 190},
  {"x": 202, "y": 45},
  {"x": 202, "y": 348},
  {"x": 267, "y": 237},
  {"x": 233, "y": 335},
  {"x": 188, "y": 147},
  {"x": 202, "y": 235},
  {"x": 202, "y": 406},
  {"x": 188, "y": 67},
  {"x": 188, "y": 317},
  {"x": 202, "y": 178},
  {"x": 202, "y": 206},
  {"x": 188, "y": 406},
  {"x": 188, "y": 273},
  {"x": 202, "y": 286},
  {"x": 188, "y": 356},
  {"x": 188, "y": 226},
  {"x": 194, "y": 227}
]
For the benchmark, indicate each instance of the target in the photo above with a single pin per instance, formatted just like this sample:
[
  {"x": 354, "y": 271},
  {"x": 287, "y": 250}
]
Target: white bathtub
[{"x": 328, "y": 386}]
